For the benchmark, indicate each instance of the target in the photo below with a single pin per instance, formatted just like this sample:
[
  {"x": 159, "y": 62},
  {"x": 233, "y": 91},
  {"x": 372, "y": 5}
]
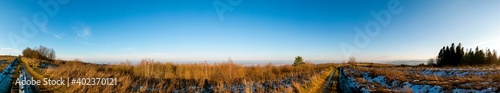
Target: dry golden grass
[
  {"x": 367, "y": 64},
  {"x": 389, "y": 73},
  {"x": 28, "y": 63},
  {"x": 496, "y": 77},
  {"x": 361, "y": 80},
  {"x": 4, "y": 65},
  {"x": 7, "y": 60},
  {"x": 68, "y": 69},
  {"x": 7, "y": 57},
  {"x": 415, "y": 75},
  {"x": 154, "y": 76},
  {"x": 226, "y": 72},
  {"x": 316, "y": 83},
  {"x": 298, "y": 88}
]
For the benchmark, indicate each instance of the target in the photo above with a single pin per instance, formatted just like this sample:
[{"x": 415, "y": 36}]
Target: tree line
[
  {"x": 457, "y": 56},
  {"x": 40, "y": 52}
]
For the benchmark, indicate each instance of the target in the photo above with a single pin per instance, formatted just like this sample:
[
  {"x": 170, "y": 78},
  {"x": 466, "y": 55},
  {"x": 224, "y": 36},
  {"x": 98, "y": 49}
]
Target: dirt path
[
  {"x": 15, "y": 88},
  {"x": 6, "y": 76},
  {"x": 26, "y": 88},
  {"x": 9, "y": 76},
  {"x": 330, "y": 85}
]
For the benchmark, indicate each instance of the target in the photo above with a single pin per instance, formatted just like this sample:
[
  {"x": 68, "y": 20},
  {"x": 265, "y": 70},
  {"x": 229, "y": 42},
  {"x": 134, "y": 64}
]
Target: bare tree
[
  {"x": 431, "y": 62},
  {"x": 40, "y": 52},
  {"x": 352, "y": 61}
]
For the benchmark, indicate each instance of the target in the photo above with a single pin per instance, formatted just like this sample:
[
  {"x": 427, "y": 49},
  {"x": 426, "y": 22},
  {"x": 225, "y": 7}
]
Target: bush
[{"x": 41, "y": 52}]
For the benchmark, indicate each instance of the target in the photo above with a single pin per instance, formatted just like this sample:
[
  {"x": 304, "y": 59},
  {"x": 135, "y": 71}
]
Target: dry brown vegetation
[
  {"x": 154, "y": 76},
  {"x": 317, "y": 82},
  {"x": 415, "y": 75},
  {"x": 7, "y": 60},
  {"x": 7, "y": 57}
]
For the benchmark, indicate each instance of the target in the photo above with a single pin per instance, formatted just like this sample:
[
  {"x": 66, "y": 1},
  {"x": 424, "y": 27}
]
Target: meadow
[
  {"x": 154, "y": 76},
  {"x": 420, "y": 79},
  {"x": 5, "y": 60}
]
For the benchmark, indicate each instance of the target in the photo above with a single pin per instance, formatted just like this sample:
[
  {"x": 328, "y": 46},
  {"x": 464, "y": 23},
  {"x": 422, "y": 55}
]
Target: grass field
[
  {"x": 153, "y": 76},
  {"x": 5, "y": 60},
  {"x": 426, "y": 79}
]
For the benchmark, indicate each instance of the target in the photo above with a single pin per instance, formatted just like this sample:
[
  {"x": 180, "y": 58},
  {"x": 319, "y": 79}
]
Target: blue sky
[{"x": 193, "y": 30}]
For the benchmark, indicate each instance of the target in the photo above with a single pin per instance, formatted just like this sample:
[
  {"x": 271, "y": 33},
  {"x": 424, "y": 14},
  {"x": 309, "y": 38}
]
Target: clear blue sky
[{"x": 180, "y": 30}]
